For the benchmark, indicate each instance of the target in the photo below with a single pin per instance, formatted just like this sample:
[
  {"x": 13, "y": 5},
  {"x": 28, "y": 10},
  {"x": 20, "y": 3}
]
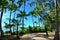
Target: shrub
[{"x": 33, "y": 30}]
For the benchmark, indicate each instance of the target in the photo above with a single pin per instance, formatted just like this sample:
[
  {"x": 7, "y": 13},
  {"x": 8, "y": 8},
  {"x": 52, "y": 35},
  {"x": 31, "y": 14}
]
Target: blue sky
[{"x": 27, "y": 22}]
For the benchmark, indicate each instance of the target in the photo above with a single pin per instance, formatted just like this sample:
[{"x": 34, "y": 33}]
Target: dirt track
[{"x": 38, "y": 36}]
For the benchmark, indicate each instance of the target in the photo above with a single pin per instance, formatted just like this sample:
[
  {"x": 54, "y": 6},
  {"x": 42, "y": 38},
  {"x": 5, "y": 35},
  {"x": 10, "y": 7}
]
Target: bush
[
  {"x": 20, "y": 32},
  {"x": 7, "y": 32},
  {"x": 33, "y": 30}
]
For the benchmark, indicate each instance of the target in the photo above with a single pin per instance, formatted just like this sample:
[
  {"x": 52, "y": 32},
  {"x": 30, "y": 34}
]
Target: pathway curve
[{"x": 38, "y": 36}]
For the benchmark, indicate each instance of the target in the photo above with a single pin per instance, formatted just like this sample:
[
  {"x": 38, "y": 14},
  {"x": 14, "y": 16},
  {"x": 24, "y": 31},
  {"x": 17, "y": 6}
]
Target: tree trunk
[
  {"x": 46, "y": 31},
  {"x": 23, "y": 18},
  {"x": 17, "y": 32},
  {"x": 13, "y": 23},
  {"x": 22, "y": 25},
  {"x": 1, "y": 23},
  {"x": 56, "y": 37},
  {"x": 10, "y": 21}
]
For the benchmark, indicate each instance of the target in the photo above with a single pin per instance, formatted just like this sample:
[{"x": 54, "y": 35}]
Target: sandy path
[{"x": 38, "y": 36}]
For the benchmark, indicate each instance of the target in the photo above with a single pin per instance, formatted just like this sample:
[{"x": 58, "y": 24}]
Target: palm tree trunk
[
  {"x": 23, "y": 18},
  {"x": 14, "y": 15},
  {"x": 22, "y": 25},
  {"x": 56, "y": 37},
  {"x": 17, "y": 32},
  {"x": 13, "y": 22},
  {"x": 10, "y": 21},
  {"x": 1, "y": 23}
]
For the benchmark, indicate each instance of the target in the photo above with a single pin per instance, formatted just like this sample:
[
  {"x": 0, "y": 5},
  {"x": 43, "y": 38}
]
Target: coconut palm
[
  {"x": 15, "y": 9},
  {"x": 12, "y": 8},
  {"x": 3, "y": 6},
  {"x": 22, "y": 16},
  {"x": 23, "y": 13},
  {"x": 16, "y": 23}
]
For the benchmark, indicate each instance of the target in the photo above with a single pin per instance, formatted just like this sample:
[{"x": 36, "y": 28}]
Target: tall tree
[
  {"x": 16, "y": 24},
  {"x": 56, "y": 37},
  {"x": 23, "y": 13},
  {"x": 12, "y": 8},
  {"x": 3, "y": 5},
  {"x": 15, "y": 9}
]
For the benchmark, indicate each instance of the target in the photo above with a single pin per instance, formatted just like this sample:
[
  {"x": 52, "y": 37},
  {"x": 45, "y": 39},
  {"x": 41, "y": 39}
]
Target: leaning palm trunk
[
  {"x": 1, "y": 23},
  {"x": 56, "y": 37}
]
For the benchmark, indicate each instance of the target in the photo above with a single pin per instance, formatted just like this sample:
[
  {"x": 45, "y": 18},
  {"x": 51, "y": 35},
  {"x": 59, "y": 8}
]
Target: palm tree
[
  {"x": 17, "y": 29},
  {"x": 39, "y": 10},
  {"x": 16, "y": 23},
  {"x": 32, "y": 13},
  {"x": 56, "y": 37},
  {"x": 22, "y": 16},
  {"x": 3, "y": 5},
  {"x": 12, "y": 8},
  {"x": 10, "y": 20},
  {"x": 15, "y": 9}
]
